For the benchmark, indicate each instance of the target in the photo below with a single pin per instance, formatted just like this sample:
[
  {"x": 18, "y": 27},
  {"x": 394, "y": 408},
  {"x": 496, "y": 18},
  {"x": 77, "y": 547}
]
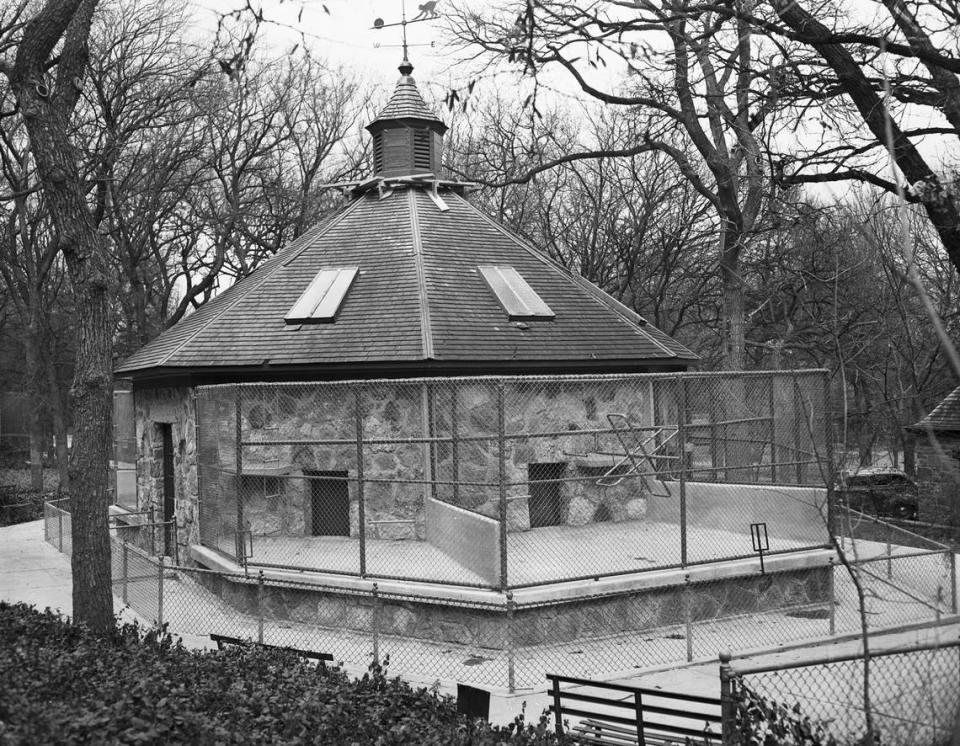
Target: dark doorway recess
[
  {"x": 169, "y": 499},
  {"x": 329, "y": 504},
  {"x": 546, "y": 507}
]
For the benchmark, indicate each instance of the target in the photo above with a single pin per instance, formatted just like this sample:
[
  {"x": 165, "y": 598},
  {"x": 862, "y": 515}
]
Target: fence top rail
[
  {"x": 629, "y": 689},
  {"x": 896, "y": 529},
  {"x": 743, "y": 669},
  {"x": 574, "y": 378}
]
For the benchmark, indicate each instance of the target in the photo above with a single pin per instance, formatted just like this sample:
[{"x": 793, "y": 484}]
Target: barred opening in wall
[
  {"x": 546, "y": 497},
  {"x": 329, "y": 503}
]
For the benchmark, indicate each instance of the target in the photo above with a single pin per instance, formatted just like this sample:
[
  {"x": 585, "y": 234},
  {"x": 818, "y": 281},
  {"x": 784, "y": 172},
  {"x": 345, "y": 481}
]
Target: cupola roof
[{"x": 406, "y": 103}]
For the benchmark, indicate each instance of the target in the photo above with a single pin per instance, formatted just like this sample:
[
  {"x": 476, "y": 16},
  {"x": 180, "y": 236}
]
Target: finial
[{"x": 406, "y": 68}]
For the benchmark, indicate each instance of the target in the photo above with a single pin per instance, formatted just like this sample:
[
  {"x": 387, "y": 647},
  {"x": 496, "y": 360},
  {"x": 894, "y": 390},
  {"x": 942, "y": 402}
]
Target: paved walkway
[{"x": 34, "y": 572}]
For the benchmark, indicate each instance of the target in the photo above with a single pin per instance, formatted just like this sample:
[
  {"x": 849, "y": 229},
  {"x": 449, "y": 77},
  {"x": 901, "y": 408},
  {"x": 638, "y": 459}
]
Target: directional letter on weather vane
[{"x": 428, "y": 12}]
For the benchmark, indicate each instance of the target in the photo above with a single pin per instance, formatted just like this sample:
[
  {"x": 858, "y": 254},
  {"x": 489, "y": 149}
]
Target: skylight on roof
[
  {"x": 322, "y": 298},
  {"x": 517, "y": 297}
]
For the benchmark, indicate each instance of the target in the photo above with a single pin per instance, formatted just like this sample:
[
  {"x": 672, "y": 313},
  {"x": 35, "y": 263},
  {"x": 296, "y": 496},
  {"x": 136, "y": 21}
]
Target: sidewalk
[{"x": 32, "y": 571}]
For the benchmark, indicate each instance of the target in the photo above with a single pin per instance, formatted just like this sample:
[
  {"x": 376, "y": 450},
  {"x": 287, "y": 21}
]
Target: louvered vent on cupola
[{"x": 422, "y": 155}]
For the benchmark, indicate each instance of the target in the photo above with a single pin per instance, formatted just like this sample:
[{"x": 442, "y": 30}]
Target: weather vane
[{"x": 427, "y": 12}]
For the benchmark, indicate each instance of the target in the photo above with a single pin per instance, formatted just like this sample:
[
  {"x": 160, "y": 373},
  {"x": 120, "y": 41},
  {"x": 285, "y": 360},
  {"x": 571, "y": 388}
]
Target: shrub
[
  {"x": 763, "y": 722},
  {"x": 19, "y": 505},
  {"x": 61, "y": 685}
]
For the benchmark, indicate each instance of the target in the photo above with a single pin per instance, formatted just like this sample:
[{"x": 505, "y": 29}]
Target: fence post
[
  {"x": 728, "y": 707},
  {"x": 502, "y": 479},
  {"x": 687, "y": 616},
  {"x": 511, "y": 663},
  {"x": 126, "y": 566},
  {"x": 361, "y": 512},
  {"x": 60, "y": 529},
  {"x": 953, "y": 580},
  {"x": 241, "y": 546},
  {"x": 455, "y": 444},
  {"x": 160, "y": 592},
  {"x": 831, "y": 589},
  {"x": 772, "y": 430},
  {"x": 260, "y": 607},
  {"x": 376, "y": 624},
  {"x": 682, "y": 436}
]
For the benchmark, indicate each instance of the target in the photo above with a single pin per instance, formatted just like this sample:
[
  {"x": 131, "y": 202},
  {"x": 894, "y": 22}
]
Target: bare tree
[
  {"x": 46, "y": 78},
  {"x": 878, "y": 79},
  {"x": 699, "y": 79}
]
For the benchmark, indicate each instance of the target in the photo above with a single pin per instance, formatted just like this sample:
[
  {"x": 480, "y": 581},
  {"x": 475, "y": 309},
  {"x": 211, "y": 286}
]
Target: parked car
[{"x": 882, "y": 492}]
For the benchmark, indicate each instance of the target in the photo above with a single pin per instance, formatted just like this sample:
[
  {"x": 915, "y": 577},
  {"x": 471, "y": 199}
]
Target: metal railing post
[
  {"x": 361, "y": 512},
  {"x": 728, "y": 707},
  {"x": 557, "y": 709},
  {"x": 160, "y": 592},
  {"x": 511, "y": 662},
  {"x": 375, "y": 618},
  {"x": 502, "y": 478},
  {"x": 126, "y": 565},
  {"x": 260, "y": 607}
]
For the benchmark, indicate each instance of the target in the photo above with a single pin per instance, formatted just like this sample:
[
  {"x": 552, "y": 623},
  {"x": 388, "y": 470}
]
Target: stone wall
[
  {"x": 395, "y": 475},
  {"x": 175, "y": 407},
  {"x": 566, "y": 621},
  {"x": 938, "y": 478}
]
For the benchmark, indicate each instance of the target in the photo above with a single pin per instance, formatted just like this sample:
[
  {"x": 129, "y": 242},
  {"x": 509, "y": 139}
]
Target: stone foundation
[{"x": 585, "y": 618}]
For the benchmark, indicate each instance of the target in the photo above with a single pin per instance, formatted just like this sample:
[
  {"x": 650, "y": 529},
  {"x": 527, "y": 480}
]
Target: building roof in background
[{"x": 945, "y": 417}]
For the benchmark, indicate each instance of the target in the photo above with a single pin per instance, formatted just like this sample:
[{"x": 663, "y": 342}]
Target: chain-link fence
[
  {"x": 912, "y": 694},
  {"x": 512, "y": 482},
  {"x": 57, "y": 525},
  {"x": 508, "y": 640}
]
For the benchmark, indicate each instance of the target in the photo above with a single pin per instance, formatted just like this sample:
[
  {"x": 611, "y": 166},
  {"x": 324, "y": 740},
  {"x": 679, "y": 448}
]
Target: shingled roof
[
  {"x": 415, "y": 256},
  {"x": 406, "y": 103},
  {"x": 945, "y": 417}
]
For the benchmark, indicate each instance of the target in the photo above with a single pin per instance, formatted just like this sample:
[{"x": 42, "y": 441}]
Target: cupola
[{"x": 407, "y": 135}]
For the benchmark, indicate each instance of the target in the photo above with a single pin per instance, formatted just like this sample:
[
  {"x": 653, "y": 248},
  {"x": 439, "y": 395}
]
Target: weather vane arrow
[{"x": 428, "y": 12}]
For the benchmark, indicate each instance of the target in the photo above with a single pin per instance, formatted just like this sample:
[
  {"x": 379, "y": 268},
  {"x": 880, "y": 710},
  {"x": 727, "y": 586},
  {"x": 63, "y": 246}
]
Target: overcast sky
[{"x": 346, "y": 35}]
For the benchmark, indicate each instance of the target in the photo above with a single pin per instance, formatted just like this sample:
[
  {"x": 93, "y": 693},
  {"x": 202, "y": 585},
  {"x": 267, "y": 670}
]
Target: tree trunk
[
  {"x": 92, "y": 390},
  {"x": 733, "y": 332}
]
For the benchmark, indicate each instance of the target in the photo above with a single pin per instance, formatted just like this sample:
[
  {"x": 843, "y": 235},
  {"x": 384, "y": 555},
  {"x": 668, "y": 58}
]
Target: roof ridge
[
  {"x": 426, "y": 330},
  {"x": 631, "y": 317},
  {"x": 305, "y": 238}
]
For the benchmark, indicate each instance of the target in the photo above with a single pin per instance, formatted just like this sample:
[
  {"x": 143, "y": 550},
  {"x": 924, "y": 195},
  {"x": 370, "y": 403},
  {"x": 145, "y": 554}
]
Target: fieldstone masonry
[
  {"x": 938, "y": 478},
  {"x": 558, "y": 622},
  {"x": 173, "y": 406},
  {"x": 276, "y": 473}
]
